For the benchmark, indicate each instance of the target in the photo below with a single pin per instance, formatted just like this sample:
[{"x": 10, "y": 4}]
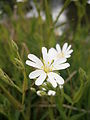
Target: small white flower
[
  {"x": 88, "y": 1},
  {"x": 20, "y": 0},
  {"x": 65, "y": 52},
  {"x": 51, "y": 93},
  {"x": 45, "y": 68}
]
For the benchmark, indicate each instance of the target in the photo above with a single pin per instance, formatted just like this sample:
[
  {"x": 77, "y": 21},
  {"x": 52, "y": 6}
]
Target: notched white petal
[
  {"x": 70, "y": 51},
  {"x": 51, "y": 80},
  {"x": 40, "y": 79},
  {"x": 61, "y": 66},
  {"x": 69, "y": 47},
  {"x": 59, "y": 61},
  {"x": 28, "y": 62},
  {"x": 35, "y": 74},
  {"x": 35, "y": 59},
  {"x": 52, "y": 53},
  {"x": 58, "y": 48},
  {"x": 32, "y": 64},
  {"x": 57, "y": 78},
  {"x": 65, "y": 47},
  {"x": 44, "y": 54},
  {"x": 67, "y": 56}
]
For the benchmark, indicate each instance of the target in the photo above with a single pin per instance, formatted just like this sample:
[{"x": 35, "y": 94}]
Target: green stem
[
  {"x": 70, "y": 111},
  {"x": 51, "y": 114},
  {"x": 17, "y": 88},
  {"x": 67, "y": 2},
  {"x": 25, "y": 86}
]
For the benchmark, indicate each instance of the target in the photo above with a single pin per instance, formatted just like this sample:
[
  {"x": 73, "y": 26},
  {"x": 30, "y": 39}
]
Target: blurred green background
[{"x": 31, "y": 25}]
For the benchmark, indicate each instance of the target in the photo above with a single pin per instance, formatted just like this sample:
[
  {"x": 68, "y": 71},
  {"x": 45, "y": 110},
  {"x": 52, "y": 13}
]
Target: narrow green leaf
[
  {"x": 79, "y": 93},
  {"x": 4, "y": 77},
  {"x": 67, "y": 2},
  {"x": 68, "y": 98},
  {"x": 48, "y": 13},
  {"x": 77, "y": 116},
  {"x": 25, "y": 86},
  {"x": 83, "y": 76},
  {"x": 44, "y": 116},
  {"x": 51, "y": 113},
  {"x": 60, "y": 107}
]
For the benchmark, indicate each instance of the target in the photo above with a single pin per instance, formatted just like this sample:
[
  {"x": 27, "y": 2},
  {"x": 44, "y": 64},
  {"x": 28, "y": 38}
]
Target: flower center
[
  {"x": 60, "y": 55},
  {"x": 47, "y": 69}
]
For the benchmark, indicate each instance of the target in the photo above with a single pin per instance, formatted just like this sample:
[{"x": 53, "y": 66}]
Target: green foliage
[
  {"x": 21, "y": 36},
  {"x": 79, "y": 93}
]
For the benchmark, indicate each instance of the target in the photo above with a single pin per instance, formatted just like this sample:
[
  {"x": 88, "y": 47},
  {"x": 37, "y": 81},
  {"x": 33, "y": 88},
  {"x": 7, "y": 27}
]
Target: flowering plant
[{"x": 46, "y": 68}]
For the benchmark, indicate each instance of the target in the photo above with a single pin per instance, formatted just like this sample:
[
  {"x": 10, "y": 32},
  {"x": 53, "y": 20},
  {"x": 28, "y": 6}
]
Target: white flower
[
  {"x": 88, "y": 1},
  {"x": 51, "y": 93},
  {"x": 20, "y": 0},
  {"x": 44, "y": 69},
  {"x": 65, "y": 52}
]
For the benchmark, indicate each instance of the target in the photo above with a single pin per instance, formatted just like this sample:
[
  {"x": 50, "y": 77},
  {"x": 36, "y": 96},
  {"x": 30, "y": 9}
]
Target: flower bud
[
  {"x": 41, "y": 93},
  {"x": 33, "y": 89}
]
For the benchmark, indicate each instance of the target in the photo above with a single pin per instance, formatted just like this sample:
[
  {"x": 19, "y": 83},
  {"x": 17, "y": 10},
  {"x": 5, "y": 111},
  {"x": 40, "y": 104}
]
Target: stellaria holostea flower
[
  {"x": 45, "y": 68},
  {"x": 65, "y": 52}
]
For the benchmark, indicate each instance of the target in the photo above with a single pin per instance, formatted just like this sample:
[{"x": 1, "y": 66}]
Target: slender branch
[
  {"x": 67, "y": 2},
  {"x": 71, "y": 75},
  {"x": 64, "y": 105},
  {"x": 25, "y": 86}
]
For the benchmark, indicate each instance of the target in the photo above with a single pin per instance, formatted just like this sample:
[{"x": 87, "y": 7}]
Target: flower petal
[
  {"x": 51, "y": 80},
  {"x": 64, "y": 47},
  {"x": 35, "y": 74},
  {"x": 36, "y": 60},
  {"x": 51, "y": 92},
  {"x": 67, "y": 56},
  {"x": 58, "y": 78},
  {"x": 52, "y": 52},
  {"x": 40, "y": 79},
  {"x": 28, "y": 62},
  {"x": 59, "y": 61},
  {"x": 70, "y": 51},
  {"x": 58, "y": 48},
  {"x": 44, "y": 53},
  {"x": 61, "y": 66},
  {"x": 69, "y": 47}
]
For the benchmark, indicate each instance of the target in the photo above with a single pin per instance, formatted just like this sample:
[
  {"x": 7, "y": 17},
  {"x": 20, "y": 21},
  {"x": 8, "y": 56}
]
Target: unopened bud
[
  {"x": 33, "y": 89},
  {"x": 41, "y": 93}
]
